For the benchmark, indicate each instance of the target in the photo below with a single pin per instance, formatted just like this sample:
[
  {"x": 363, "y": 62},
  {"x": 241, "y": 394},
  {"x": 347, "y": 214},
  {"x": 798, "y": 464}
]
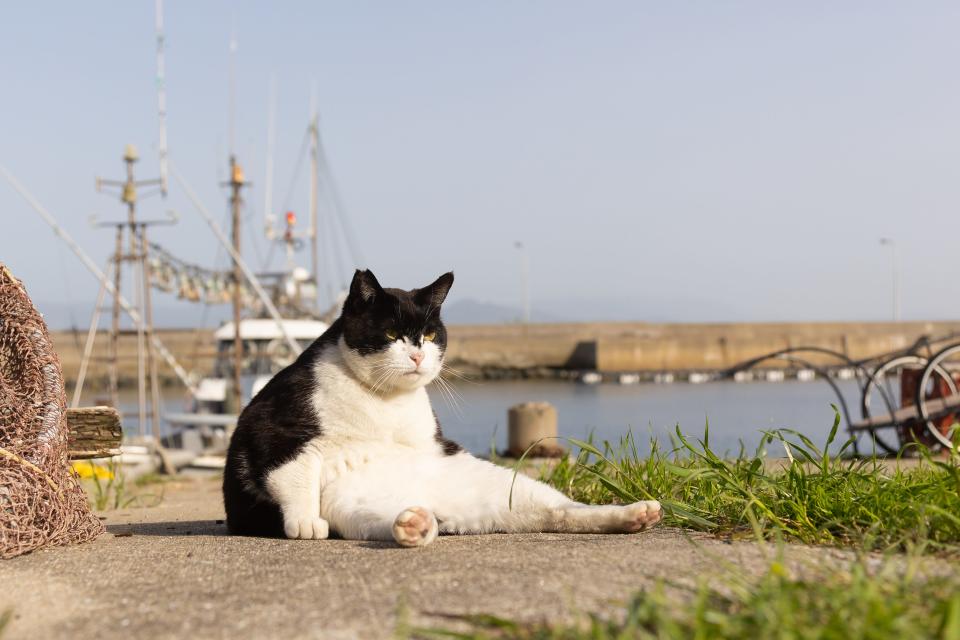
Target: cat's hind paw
[
  {"x": 641, "y": 515},
  {"x": 306, "y": 528},
  {"x": 415, "y": 527}
]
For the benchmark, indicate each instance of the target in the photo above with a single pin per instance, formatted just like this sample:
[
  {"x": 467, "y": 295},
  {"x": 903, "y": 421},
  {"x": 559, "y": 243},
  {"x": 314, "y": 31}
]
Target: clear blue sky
[{"x": 662, "y": 161}]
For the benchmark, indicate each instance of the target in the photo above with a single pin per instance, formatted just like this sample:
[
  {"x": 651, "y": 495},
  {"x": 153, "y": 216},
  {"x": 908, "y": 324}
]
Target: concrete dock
[{"x": 172, "y": 572}]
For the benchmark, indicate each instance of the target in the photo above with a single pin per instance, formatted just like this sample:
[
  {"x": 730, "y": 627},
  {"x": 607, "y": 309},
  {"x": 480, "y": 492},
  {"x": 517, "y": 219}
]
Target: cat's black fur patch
[
  {"x": 449, "y": 446},
  {"x": 369, "y": 311},
  {"x": 280, "y": 421}
]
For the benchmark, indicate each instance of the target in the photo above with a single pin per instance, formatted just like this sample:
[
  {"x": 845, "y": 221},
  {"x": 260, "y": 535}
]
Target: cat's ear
[
  {"x": 434, "y": 294},
  {"x": 364, "y": 289}
]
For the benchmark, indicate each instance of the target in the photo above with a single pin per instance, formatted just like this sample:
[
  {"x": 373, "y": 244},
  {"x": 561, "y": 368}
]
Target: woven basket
[{"x": 41, "y": 503}]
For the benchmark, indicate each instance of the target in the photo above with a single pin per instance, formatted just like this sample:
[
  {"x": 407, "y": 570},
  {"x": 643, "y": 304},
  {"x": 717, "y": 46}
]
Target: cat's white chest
[
  {"x": 360, "y": 427},
  {"x": 406, "y": 421}
]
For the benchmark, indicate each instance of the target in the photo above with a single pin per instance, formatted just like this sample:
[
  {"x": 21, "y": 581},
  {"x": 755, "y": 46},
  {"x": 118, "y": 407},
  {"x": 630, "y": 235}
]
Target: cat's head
[{"x": 394, "y": 340}]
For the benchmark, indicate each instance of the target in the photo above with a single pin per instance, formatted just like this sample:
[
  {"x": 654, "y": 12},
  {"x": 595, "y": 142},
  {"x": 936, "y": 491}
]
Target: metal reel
[
  {"x": 888, "y": 398},
  {"x": 937, "y": 366},
  {"x": 889, "y": 395}
]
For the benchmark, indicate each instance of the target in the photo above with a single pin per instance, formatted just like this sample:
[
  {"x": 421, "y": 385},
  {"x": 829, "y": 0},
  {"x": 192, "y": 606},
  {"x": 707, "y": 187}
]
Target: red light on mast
[{"x": 291, "y": 218}]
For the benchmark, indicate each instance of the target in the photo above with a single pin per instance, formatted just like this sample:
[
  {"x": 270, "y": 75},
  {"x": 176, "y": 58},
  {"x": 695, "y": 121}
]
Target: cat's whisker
[
  {"x": 387, "y": 374},
  {"x": 450, "y": 395},
  {"x": 446, "y": 398},
  {"x": 449, "y": 383},
  {"x": 457, "y": 374},
  {"x": 440, "y": 387},
  {"x": 381, "y": 369},
  {"x": 449, "y": 386},
  {"x": 376, "y": 385}
]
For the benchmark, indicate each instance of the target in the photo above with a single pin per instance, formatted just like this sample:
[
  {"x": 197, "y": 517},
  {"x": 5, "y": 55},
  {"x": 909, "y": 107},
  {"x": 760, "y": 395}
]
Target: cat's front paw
[
  {"x": 641, "y": 515},
  {"x": 306, "y": 527},
  {"x": 415, "y": 527}
]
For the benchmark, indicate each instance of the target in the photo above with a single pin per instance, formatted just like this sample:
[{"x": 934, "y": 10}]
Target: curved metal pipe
[{"x": 865, "y": 375}]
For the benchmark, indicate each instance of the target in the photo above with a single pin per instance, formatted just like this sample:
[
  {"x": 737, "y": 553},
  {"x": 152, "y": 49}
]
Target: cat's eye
[
  {"x": 430, "y": 336},
  {"x": 391, "y": 334}
]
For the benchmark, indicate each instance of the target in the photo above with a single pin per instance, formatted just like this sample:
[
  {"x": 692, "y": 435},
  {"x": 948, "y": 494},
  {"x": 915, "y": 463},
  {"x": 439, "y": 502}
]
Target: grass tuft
[
  {"x": 813, "y": 496},
  {"x": 889, "y": 602},
  {"x": 107, "y": 488}
]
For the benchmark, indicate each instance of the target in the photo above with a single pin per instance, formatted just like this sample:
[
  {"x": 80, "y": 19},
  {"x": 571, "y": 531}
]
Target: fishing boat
[{"x": 276, "y": 314}]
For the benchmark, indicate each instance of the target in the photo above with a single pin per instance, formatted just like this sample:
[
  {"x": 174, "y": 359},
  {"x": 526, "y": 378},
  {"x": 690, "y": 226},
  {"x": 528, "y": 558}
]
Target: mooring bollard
[{"x": 529, "y": 422}]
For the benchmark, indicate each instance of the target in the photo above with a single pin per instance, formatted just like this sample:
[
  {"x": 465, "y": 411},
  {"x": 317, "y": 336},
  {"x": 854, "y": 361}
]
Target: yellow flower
[{"x": 87, "y": 470}]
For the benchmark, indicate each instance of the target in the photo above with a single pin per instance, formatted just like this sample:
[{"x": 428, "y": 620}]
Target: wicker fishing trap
[{"x": 41, "y": 503}]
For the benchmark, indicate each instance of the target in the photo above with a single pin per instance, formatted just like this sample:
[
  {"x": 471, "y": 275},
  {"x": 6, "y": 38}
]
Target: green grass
[
  {"x": 151, "y": 478},
  {"x": 815, "y": 497},
  {"x": 812, "y": 497},
  {"x": 891, "y": 602},
  {"x": 112, "y": 492}
]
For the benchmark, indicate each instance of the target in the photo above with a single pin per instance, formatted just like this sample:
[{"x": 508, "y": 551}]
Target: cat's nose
[{"x": 417, "y": 357}]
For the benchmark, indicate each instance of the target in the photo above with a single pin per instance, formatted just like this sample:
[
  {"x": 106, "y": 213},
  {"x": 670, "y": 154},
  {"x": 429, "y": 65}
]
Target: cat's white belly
[
  {"x": 466, "y": 494},
  {"x": 376, "y": 463},
  {"x": 375, "y": 474}
]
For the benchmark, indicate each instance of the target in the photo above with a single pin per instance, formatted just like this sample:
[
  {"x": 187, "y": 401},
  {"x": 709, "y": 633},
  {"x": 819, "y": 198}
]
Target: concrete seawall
[
  {"x": 671, "y": 347},
  {"x": 627, "y": 346}
]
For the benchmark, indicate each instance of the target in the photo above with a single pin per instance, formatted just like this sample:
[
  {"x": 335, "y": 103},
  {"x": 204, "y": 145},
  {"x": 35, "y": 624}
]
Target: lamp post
[
  {"x": 895, "y": 271},
  {"x": 524, "y": 280}
]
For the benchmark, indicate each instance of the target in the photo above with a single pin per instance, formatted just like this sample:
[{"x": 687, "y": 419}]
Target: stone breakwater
[
  {"x": 543, "y": 348},
  {"x": 648, "y": 347}
]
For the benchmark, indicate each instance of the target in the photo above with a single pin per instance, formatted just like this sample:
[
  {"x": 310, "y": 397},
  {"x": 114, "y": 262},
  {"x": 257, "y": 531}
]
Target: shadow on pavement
[{"x": 174, "y": 528}]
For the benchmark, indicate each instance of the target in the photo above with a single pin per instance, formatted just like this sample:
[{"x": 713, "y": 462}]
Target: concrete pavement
[{"x": 172, "y": 572}]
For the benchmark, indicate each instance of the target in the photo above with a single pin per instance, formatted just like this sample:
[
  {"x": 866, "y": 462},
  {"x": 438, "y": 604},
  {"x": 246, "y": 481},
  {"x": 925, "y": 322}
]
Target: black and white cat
[{"x": 345, "y": 440}]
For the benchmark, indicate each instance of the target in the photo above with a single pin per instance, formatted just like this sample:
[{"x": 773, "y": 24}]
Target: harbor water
[{"x": 737, "y": 412}]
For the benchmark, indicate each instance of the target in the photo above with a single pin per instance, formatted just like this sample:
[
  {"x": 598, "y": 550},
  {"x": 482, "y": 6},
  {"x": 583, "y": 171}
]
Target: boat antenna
[
  {"x": 271, "y": 143},
  {"x": 161, "y": 99},
  {"x": 233, "y": 85},
  {"x": 314, "y": 188}
]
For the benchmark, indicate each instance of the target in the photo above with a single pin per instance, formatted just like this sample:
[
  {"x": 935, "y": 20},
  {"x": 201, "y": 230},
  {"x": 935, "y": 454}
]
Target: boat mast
[
  {"x": 314, "y": 193},
  {"x": 139, "y": 259},
  {"x": 238, "y": 260},
  {"x": 232, "y": 124},
  {"x": 271, "y": 143},
  {"x": 162, "y": 99},
  {"x": 236, "y": 184}
]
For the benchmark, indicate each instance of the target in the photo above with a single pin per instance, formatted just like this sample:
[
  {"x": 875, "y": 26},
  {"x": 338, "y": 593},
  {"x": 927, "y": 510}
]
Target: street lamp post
[
  {"x": 524, "y": 280},
  {"x": 895, "y": 271}
]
